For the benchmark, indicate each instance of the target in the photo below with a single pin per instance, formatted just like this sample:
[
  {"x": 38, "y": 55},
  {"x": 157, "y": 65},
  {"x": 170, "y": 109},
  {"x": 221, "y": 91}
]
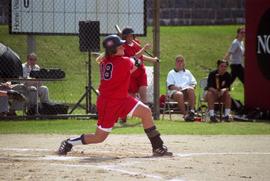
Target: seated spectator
[
  {"x": 5, "y": 95},
  {"x": 217, "y": 89},
  {"x": 10, "y": 67},
  {"x": 3, "y": 103},
  {"x": 181, "y": 84},
  {"x": 7, "y": 103},
  {"x": 31, "y": 88}
]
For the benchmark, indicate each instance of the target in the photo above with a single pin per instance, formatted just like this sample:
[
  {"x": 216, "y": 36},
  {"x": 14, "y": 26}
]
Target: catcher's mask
[{"x": 111, "y": 42}]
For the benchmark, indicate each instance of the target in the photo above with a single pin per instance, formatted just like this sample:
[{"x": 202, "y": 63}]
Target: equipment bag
[
  {"x": 43, "y": 73},
  {"x": 237, "y": 106},
  {"x": 53, "y": 109}
]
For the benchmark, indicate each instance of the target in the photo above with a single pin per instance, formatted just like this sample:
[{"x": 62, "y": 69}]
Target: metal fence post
[{"x": 156, "y": 46}]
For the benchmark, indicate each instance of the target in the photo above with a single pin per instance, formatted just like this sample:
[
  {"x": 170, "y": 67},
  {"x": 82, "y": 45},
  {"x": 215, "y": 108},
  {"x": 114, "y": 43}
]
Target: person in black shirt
[{"x": 217, "y": 89}]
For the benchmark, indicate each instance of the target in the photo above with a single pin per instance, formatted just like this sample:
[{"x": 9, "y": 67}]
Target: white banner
[{"x": 63, "y": 16}]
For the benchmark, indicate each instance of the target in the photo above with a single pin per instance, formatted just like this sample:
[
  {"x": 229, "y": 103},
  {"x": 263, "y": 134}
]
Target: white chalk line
[
  {"x": 25, "y": 149},
  {"x": 115, "y": 167},
  {"x": 175, "y": 154},
  {"x": 110, "y": 168},
  {"x": 221, "y": 153},
  {"x": 51, "y": 150}
]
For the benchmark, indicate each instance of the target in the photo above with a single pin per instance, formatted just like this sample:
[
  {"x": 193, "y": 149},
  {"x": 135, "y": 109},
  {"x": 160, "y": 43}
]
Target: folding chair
[
  {"x": 202, "y": 104},
  {"x": 171, "y": 106}
]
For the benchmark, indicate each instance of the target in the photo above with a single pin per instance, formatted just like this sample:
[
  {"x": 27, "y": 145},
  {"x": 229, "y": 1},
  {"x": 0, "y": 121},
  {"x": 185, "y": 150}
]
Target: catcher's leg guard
[{"x": 157, "y": 144}]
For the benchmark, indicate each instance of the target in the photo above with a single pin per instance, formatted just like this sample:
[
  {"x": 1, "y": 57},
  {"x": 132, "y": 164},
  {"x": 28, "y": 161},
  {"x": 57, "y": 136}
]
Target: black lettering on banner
[
  {"x": 16, "y": 23},
  {"x": 26, "y": 3},
  {"x": 106, "y": 71}
]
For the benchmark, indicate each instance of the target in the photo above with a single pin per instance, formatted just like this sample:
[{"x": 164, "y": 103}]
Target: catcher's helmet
[
  {"x": 112, "y": 41},
  {"x": 127, "y": 31}
]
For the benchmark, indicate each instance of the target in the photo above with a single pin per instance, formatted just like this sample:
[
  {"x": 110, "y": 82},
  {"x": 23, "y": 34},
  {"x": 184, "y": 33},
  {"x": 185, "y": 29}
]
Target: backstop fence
[{"x": 66, "y": 36}]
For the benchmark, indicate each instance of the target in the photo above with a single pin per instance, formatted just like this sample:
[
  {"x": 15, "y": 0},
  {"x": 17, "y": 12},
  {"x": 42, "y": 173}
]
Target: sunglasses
[{"x": 179, "y": 60}]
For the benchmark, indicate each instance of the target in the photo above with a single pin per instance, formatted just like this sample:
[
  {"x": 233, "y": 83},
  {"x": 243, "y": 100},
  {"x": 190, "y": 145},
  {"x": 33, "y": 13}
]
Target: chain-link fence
[
  {"x": 50, "y": 28},
  {"x": 67, "y": 77}
]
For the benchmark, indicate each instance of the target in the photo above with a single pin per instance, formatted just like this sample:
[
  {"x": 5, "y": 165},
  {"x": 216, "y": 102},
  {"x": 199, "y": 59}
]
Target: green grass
[
  {"x": 134, "y": 127},
  {"x": 200, "y": 45}
]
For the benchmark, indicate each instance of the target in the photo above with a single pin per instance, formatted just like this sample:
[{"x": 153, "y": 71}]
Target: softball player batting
[{"x": 114, "y": 100}]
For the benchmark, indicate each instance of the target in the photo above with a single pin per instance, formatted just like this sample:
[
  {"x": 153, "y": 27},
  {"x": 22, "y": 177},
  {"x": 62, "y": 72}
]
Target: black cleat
[
  {"x": 213, "y": 119},
  {"x": 190, "y": 117},
  {"x": 64, "y": 148},
  {"x": 227, "y": 118},
  {"x": 162, "y": 151}
]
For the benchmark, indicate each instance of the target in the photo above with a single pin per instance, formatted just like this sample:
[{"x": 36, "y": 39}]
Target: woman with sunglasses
[{"x": 235, "y": 55}]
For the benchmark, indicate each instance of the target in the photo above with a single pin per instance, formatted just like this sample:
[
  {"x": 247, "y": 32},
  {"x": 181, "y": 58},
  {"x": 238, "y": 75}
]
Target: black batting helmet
[
  {"x": 111, "y": 42},
  {"x": 127, "y": 31}
]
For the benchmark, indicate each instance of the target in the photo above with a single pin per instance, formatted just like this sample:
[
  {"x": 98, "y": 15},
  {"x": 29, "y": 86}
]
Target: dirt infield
[{"x": 128, "y": 157}]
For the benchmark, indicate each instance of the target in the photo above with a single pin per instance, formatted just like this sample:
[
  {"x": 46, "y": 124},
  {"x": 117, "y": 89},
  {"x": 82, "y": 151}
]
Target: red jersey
[
  {"x": 130, "y": 51},
  {"x": 115, "y": 77}
]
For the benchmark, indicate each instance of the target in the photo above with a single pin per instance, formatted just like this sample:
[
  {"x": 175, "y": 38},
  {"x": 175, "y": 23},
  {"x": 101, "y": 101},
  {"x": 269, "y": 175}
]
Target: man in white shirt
[
  {"x": 35, "y": 86},
  {"x": 180, "y": 85},
  {"x": 32, "y": 89}
]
